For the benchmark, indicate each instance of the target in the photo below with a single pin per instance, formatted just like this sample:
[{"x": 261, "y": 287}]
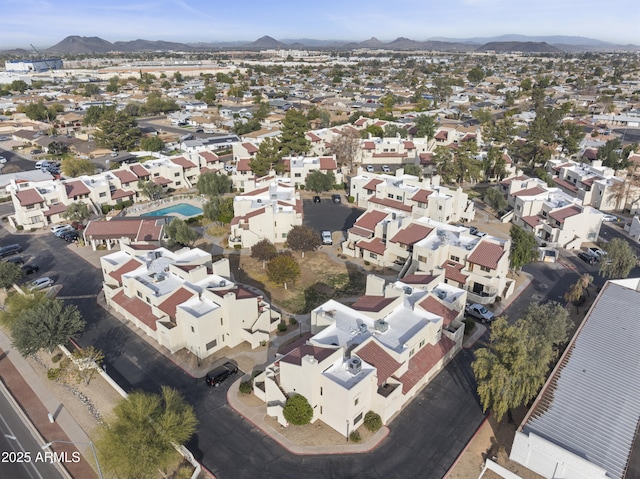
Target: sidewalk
[{"x": 37, "y": 402}]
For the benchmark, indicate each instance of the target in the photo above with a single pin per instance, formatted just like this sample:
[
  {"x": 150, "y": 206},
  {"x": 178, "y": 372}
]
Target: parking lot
[{"x": 330, "y": 216}]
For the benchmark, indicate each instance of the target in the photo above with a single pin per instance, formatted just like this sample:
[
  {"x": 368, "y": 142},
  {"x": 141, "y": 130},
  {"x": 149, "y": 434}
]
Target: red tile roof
[
  {"x": 565, "y": 184},
  {"x": 442, "y": 135},
  {"x": 161, "y": 180},
  {"x": 536, "y": 190},
  {"x": 532, "y": 221},
  {"x": 182, "y": 161},
  {"x": 328, "y": 163},
  {"x": 433, "y": 305},
  {"x": 56, "y": 209},
  {"x": 371, "y": 186},
  {"x": 134, "y": 229},
  {"x": 409, "y": 145},
  {"x": 295, "y": 356},
  {"x": 564, "y": 213},
  {"x": 422, "y": 196},
  {"x": 391, "y": 154},
  {"x": 370, "y": 219},
  {"x": 411, "y": 234},
  {"x": 129, "y": 266},
  {"x": 250, "y": 147},
  {"x": 149, "y": 230},
  {"x": 369, "y": 145},
  {"x": 453, "y": 271},
  {"x": 418, "y": 278},
  {"x": 117, "y": 194},
  {"x": 380, "y": 359},
  {"x": 397, "y": 205},
  {"x": 29, "y": 197},
  {"x": 170, "y": 304},
  {"x": 76, "y": 188},
  {"x": 372, "y": 303},
  {"x": 139, "y": 170},
  {"x": 137, "y": 308},
  {"x": 486, "y": 254},
  {"x": 125, "y": 176},
  {"x": 361, "y": 232},
  {"x": 375, "y": 245},
  {"x": 313, "y": 136},
  {"x": 426, "y": 159},
  {"x": 243, "y": 165},
  {"x": 423, "y": 362},
  {"x": 209, "y": 156},
  {"x": 360, "y": 122}
]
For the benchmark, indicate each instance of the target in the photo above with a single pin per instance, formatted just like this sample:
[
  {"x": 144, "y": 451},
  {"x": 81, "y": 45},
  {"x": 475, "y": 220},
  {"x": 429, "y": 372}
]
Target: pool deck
[{"x": 139, "y": 209}]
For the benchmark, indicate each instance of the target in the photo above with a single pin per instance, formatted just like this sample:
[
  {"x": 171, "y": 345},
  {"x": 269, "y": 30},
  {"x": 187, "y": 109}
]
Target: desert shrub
[
  {"x": 53, "y": 374},
  {"x": 19, "y": 227},
  {"x": 372, "y": 421},
  {"x": 106, "y": 209},
  {"x": 282, "y": 326},
  {"x": 293, "y": 321},
  {"x": 56, "y": 358},
  {"x": 355, "y": 437},
  {"x": 237, "y": 246},
  {"x": 297, "y": 410},
  {"x": 246, "y": 387},
  {"x": 350, "y": 199}
]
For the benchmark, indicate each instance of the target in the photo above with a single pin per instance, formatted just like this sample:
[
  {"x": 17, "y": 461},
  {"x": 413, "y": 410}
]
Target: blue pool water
[{"x": 181, "y": 208}]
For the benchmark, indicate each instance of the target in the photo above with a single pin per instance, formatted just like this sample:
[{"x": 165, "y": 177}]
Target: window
[
  {"x": 455, "y": 258},
  {"x": 176, "y": 174},
  {"x": 320, "y": 390},
  {"x": 422, "y": 205},
  {"x": 355, "y": 403},
  {"x": 411, "y": 353},
  {"x": 30, "y": 207},
  {"x": 155, "y": 175},
  {"x": 357, "y": 419},
  {"x": 177, "y": 183},
  {"x": 103, "y": 194},
  {"x": 373, "y": 256},
  {"x": 192, "y": 329},
  {"x": 390, "y": 195},
  {"x": 399, "y": 197},
  {"x": 422, "y": 343},
  {"x": 221, "y": 322},
  {"x": 298, "y": 175},
  {"x": 320, "y": 409},
  {"x": 147, "y": 299},
  {"x": 422, "y": 259},
  {"x": 485, "y": 269},
  {"x": 212, "y": 344},
  {"x": 284, "y": 235},
  {"x": 139, "y": 294},
  {"x": 439, "y": 207}
]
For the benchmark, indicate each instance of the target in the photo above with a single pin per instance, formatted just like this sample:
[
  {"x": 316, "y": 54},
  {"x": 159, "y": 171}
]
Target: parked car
[
  {"x": 610, "y": 218},
  {"x": 480, "y": 312},
  {"x": 476, "y": 232},
  {"x": 370, "y": 168},
  {"x": 386, "y": 169},
  {"x": 56, "y": 228},
  {"x": 597, "y": 251},
  {"x": 30, "y": 268},
  {"x": 217, "y": 376},
  {"x": 15, "y": 259},
  {"x": 316, "y": 199},
  {"x": 64, "y": 230},
  {"x": 36, "y": 152},
  {"x": 326, "y": 237},
  {"x": 587, "y": 258},
  {"x": 10, "y": 250},
  {"x": 70, "y": 236},
  {"x": 3, "y": 160},
  {"x": 336, "y": 198},
  {"x": 41, "y": 283}
]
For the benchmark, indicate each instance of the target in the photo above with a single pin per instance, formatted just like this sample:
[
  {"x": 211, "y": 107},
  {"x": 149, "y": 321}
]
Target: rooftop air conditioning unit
[
  {"x": 354, "y": 365},
  {"x": 363, "y": 328},
  {"x": 407, "y": 290},
  {"x": 382, "y": 326},
  {"x": 222, "y": 283}
]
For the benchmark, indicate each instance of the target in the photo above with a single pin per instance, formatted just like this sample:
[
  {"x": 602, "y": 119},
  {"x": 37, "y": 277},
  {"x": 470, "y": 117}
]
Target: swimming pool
[{"x": 184, "y": 209}]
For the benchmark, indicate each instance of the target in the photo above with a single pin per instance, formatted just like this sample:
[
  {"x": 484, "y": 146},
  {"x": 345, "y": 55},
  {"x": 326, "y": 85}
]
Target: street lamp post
[{"x": 95, "y": 456}]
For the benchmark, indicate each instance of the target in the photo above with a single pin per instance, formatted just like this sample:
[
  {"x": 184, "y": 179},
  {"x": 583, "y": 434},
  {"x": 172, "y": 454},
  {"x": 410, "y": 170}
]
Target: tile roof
[
  {"x": 426, "y": 159},
  {"x": 29, "y": 197},
  {"x": 170, "y": 304},
  {"x": 129, "y": 266},
  {"x": 371, "y": 185},
  {"x": 76, "y": 188},
  {"x": 250, "y": 147},
  {"x": 134, "y": 229},
  {"x": 56, "y": 209},
  {"x": 564, "y": 213},
  {"x": 209, "y": 156},
  {"x": 243, "y": 165},
  {"x": 391, "y": 154},
  {"x": 373, "y": 354},
  {"x": 117, "y": 194},
  {"x": 536, "y": 190},
  {"x": 433, "y": 305},
  {"x": 182, "y": 161},
  {"x": 418, "y": 278},
  {"x": 313, "y": 136},
  {"x": 375, "y": 245},
  {"x": 328, "y": 163},
  {"x": 161, "y": 180},
  {"x": 442, "y": 135},
  {"x": 365, "y": 233},
  {"x": 139, "y": 170},
  {"x": 372, "y": 303},
  {"x": 137, "y": 308},
  {"x": 422, "y": 196},
  {"x": 532, "y": 221},
  {"x": 370, "y": 219},
  {"x": 150, "y": 230},
  {"x": 409, "y": 145},
  {"x": 240, "y": 291},
  {"x": 423, "y": 362},
  {"x": 295, "y": 356},
  {"x": 486, "y": 254},
  {"x": 369, "y": 145},
  {"x": 397, "y": 205},
  {"x": 453, "y": 271},
  {"x": 125, "y": 176},
  {"x": 411, "y": 234},
  {"x": 565, "y": 184}
]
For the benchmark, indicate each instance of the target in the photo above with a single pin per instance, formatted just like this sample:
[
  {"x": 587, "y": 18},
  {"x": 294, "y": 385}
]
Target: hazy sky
[{"x": 46, "y": 22}]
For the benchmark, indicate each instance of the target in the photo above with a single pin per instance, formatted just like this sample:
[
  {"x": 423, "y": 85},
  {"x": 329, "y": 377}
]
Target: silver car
[{"x": 41, "y": 283}]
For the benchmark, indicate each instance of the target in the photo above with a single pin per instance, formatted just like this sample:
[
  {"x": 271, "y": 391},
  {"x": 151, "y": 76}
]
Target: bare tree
[{"x": 345, "y": 146}]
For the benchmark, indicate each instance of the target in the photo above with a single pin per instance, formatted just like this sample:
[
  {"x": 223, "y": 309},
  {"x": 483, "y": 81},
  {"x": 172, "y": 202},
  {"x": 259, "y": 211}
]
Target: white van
[{"x": 42, "y": 165}]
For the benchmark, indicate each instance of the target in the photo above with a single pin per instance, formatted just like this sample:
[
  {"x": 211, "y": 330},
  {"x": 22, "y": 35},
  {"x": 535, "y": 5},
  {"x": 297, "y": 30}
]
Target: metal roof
[{"x": 591, "y": 404}]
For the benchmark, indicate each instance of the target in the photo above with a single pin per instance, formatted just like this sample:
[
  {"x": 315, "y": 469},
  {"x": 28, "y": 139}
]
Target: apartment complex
[
  {"x": 374, "y": 355},
  {"x": 184, "y": 301}
]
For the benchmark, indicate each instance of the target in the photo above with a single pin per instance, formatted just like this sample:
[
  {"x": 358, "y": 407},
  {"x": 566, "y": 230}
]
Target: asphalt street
[{"x": 21, "y": 457}]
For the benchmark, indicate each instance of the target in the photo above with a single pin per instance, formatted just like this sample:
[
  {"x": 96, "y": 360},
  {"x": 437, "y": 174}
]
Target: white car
[
  {"x": 326, "y": 238},
  {"x": 386, "y": 169},
  {"x": 370, "y": 168},
  {"x": 41, "y": 283},
  {"x": 609, "y": 218},
  {"x": 3, "y": 160},
  {"x": 478, "y": 311},
  {"x": 55, "y": 228}
]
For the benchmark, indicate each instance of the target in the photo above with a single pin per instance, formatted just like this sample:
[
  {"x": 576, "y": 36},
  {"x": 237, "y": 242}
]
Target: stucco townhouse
[
  {"x": 374, "y": 355},
  {"x": 183, "y": 300}
]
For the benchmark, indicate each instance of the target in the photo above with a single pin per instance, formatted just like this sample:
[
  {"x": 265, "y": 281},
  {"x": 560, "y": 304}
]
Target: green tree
[
  {"x": 95, "y": 113},
  {"x": 114, "y": 84},
  {"x": 18, "y": 85},
  {"x": 414, "y": 170},
  {"x": 619, "y": 260},
  {"x": 209, "y": 95},
  {"x": 77, "y": 211},
  {"x": 574, "y": 294},
  {"x": 569, "y": 136},
  {"x": 16, "y": 304},
  {"x": 612, "y": 155},
  {"x": 45, "y": 326},
  {"x": 57, "y": 148},
  {"x": 374, "y": 130},
  {"x": 151, "y": 143},
  {"x": 391, "y": 130},
  {"x": 117, "y": 131},
  {"x": 90, "y": 89},
  {"x": 444, "y": 160},
  {"x": 264, "y": 250},
  {"x": 179, "y": 232},
  {"x": 297, "y": 410},
  {"x": 292, "y": 137},
  {"x": 268, "y": 156},
  {"x": 10, "y": 273},
  {"x": 483, "y": 115},
  {"x": 319, "y": 182},
  {"x": 495, "y": 199},
  {"x": 523, "y": 248},
  {"x": 219, "y": 209},
  {"x": 74, "y": 167},
  {"x": 283, "y": 269},
  {"x": 466, "y": 166},
  {"x": 302, "y": 238},
  {"x": 425, "y": 127},
  {"x": 39, "y": 112},
  {"x": 441, "y": 89},
  {"x": 151, "y": 190},
  {"x": 475, "y": 75},
  {"x": 139, "y": 440},
  {"x": 212, "y": 184}
]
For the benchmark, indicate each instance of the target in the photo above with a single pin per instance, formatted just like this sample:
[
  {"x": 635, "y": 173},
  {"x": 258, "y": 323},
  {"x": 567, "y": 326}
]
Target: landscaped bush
[
  {"x": 372, "y": 421},
  {"x": 297, "y": 410},
  {"x": 19, "y": 227},
  {"x": 355, "y": 437},
  {"x": 293, "y": 321},
  {"x": 282, "y": 326},
  {"x": 366, "y": 263},
  {"x": 53, "y": 374},
  {"x": 350, "y": 199},
  {"x": 246, "y": 387},
  {"x": 194, "y": 219},
  {"x": 56, "y": 358},
  {"x": 118, "y": 206},
  {"x": 106, "y": 209}
]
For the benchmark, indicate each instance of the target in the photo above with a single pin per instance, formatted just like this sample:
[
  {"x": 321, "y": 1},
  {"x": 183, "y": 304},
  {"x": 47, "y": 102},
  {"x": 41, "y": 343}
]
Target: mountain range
[{"x": 505, "y": 43}]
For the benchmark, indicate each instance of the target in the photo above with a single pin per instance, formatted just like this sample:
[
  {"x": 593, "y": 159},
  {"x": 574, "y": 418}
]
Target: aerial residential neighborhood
[{"x": 304, "y": 258}]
